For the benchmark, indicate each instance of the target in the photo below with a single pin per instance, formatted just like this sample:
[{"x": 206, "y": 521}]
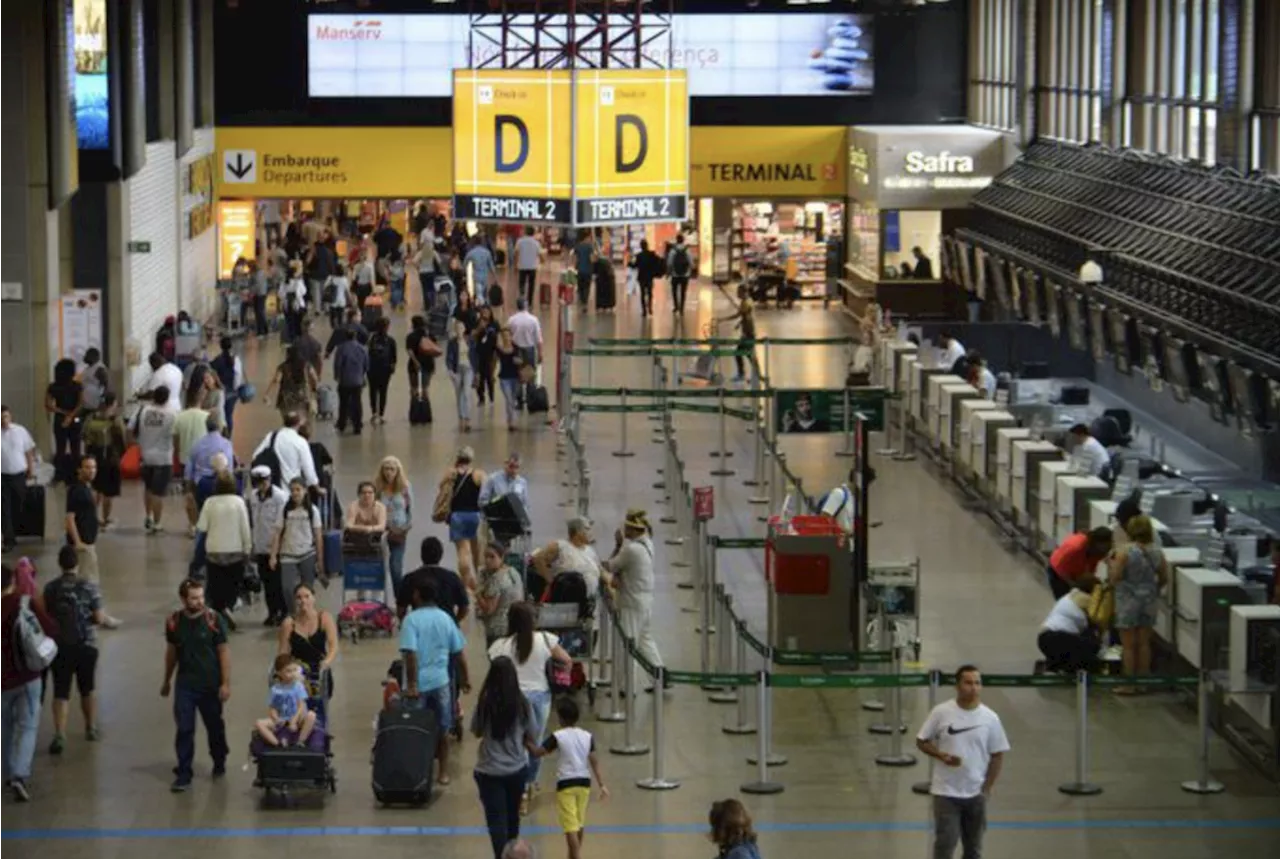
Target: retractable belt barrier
[{"x": 725, "y": 673}]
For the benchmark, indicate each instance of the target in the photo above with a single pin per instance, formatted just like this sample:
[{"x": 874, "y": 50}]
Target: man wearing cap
[
  {"x": 266, "y": 507},
  {"x": 632, "y": 568}
]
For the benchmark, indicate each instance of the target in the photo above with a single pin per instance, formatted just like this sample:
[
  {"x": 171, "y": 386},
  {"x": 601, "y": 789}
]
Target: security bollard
[
  {"x": 1205, "y": 783},
  {"x": 615, "y": 713},
  {"x": 764, "y": 741},
  {"x": 624, "y": 451},
  {"x": 723, "y": 453},
  {"x": 659, "y": 780},
  {"x": 724, "y": 649},
  {"x": 630, "y": 745},
  {"x": 897, "y": 756},
  {"x": 1081, "y": 786},
  {"x": 847, "y": 427},
  {"x": 743, "y": 724},
  {"x": 925, "y": 788}
]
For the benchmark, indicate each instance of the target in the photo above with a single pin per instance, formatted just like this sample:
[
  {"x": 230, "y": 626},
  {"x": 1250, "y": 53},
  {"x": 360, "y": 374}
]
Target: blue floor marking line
[{"x": 638, "y": 829}]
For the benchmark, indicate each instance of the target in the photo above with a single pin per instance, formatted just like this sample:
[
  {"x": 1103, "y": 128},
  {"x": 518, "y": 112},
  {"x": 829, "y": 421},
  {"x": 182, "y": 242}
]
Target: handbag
[
  {"x": 559, "y": 677},
  {"x": 1102, "y": 606},
  {"x": 397, "y": 536},
  {"x": 444, "y": 499}
]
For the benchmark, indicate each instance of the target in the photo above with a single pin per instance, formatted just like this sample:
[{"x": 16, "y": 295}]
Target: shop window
[
  {"x": 864, "y": 241},
  {"x": 903, "y": 232}
]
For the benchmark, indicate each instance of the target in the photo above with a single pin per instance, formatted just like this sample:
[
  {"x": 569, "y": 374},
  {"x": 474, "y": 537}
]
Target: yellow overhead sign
[
  {"x": 512, "y": 145},
  {"x": 799, "y": 163},
  {"x": 631, "y": 146},
  {"x": 329, "y": 163}
]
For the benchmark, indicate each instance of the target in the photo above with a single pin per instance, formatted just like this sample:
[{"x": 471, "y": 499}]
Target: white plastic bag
[{"x": 633, "y": 282}]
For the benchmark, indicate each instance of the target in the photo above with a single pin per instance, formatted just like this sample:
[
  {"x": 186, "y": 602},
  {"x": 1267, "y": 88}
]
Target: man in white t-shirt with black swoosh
[{"x": 966, "y": 737}]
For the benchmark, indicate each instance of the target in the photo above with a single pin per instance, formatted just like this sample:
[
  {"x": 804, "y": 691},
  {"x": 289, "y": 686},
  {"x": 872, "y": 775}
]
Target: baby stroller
[
  {"x": 568, "y": 611},
  {"x": 284, "y": 769}
]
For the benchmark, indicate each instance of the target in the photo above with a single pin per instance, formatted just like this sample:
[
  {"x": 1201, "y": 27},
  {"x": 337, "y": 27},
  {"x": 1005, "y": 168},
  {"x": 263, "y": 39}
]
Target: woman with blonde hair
[
  {"x": 396, "y": 494},
  {"x": 731, "y": 830},
  {"x": 1138, "y": 574},
  {"x": 458, "y": 504}
]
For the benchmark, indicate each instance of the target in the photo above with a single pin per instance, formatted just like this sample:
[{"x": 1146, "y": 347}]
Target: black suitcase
[
  {"x": 496, "y": 298},
  {"x": 606, "y": 286},
  {"x": 31, "y": 518},
  {"x": 536, "y": 399},
  {"x": 404, "y": 756},
  {"x": 419, "y": 411}
]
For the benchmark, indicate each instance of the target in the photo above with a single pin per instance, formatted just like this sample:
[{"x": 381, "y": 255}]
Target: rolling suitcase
[
  {"x": 31, "y": 518},
  {"x": 372, "y": 311},
  {"x": 326, "y": 402},
  {"x": 419, "y": 410},
  {"x": 606, "y": 286},
  {"x": 537, "y": 400},
  {"x": 404, "y": 754}
]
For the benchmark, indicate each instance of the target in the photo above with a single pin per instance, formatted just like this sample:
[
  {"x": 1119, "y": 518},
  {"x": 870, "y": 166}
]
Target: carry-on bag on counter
[
  {"x": 326, "y": 401},
  {"x": 404, "y": 754},
  {"x": 419, "y": 410},
  {"x": 31, "y": 518}
]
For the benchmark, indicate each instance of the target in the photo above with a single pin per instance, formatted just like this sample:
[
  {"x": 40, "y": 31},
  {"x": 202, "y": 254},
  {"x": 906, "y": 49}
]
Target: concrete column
[{"x": 29, "y": 243}]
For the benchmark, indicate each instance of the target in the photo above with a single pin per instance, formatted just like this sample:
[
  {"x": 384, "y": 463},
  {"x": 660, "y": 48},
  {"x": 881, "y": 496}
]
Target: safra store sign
[{"x": 941, "y": 170}]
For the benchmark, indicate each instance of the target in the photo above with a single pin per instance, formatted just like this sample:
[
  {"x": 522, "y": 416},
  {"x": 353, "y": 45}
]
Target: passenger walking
[
  {"x": 430, "y": 266},
  {"x": 297, "y": 381},
  {"x": 420, "y": 352},
  {"x": 75, "y": 604},
  {"x": 105, "y": 439},
  {"x": 966, "y": 737},
  {"x": 531, "y": 649},
  {"x": 1138, "y": 575},
  {"x": 228, "y": 543},
  {"x": 350, "y": 369},
  {"x": 503, "y": 722},
  {"x": 230, "y": 373},
  {"x": 260, "y": 286},
  {"x": 63, "y": 401},
  {"x": 451, "y": 593},
  {"x": 382, "y": 366},
  {"x": 509, "y": 363},
  {"x": 396, "y": 494},
  {"x": 310, "y": 349},
  {"x": 499, "y": 589},
  {"x": 649, "y": 267},
  {"x": 486, "y": 346},
  {"x": 731, "y": 830},
  {"x": 679, "y": 270},
  {"x": 18, "y": 464},
  {"x": 297, "y": 549},
  {"x": 577, "y": 762},
  {"x": 632, "y": 567},
  {"x": 529, "y": 254},
  {"x": 744, "y": 317},
  {"x": 458, "y": 497},
  {"x": 202, "y": 461},
  {"x": 337, "y": 294},
  {"x": 21, "y": 688},
  {"x": 362, "y": 278},
  {"x": 309, "y": 635},
  {"x": 290, "y": 453},
  {"x": 429, "y": 641},
  {"x": 480, "y": 260},
  {"x": 196, "y": 648},
  {"x": 153, "y": 430},
  {"x": 461, "y": 373},
  {"x": 293, "y": 302},
  {"x": 1076, "y": 559},
  {"x": 508, "y": 481},
  {"x": 82, "y": 518},
  {"x": 585, "y": 255},
  {"x": 266, "y": 509},
  {"x": 526, "y": 334}
]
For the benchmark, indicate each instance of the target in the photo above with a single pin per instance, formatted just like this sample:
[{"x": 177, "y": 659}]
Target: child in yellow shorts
[{"x": 577, "y": 763}]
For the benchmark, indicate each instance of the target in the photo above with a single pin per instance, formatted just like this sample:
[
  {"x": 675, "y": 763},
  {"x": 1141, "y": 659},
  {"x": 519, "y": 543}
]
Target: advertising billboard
[
  {"x": 92, "y": 88},
  {"x": 413, "y": 56},
  {"x": 632, "y": 146},
  {"x": 513, "y": 146}
]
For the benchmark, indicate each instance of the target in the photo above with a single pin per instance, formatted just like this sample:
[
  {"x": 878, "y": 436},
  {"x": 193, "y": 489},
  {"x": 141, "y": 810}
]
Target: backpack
[
  {"x": 64, "y": 604},
  {"x": 271, "y": 460},
  {"x": 330, "y": 292},
  {"x": 680, "y": 263},
  {"x": 225, "y": 366},
  {"x": 32, "y": 649},
  {"x": 380, "y": 349},
  {"x": 97, "y": 432}
]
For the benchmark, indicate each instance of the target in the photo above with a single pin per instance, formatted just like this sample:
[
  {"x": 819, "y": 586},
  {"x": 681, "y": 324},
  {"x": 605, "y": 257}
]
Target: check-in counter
[
  {"x": 1202, "y": 599},
  {"x": 891, "y": 352},
  {"x": 964, "y": 429},
  {"x": 1075, "y": 492},
  {"x": 983, "y": 426},
  {"x": 1046, "y": 493},
  {"x": 925, "y": 381},
  {"x": 933, "y": 401},
  {"x": 1005, "y": 437},
  {"x": 949, "y": 399},
  {"x": 1027, "y": 456},
  {"x": 1249, "y": 695}
]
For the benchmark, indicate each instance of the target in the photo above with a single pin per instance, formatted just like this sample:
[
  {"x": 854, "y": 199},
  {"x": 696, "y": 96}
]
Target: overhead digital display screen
[
  {"x": 92, "y": 90},
  {"x": 413, "y": 56}
]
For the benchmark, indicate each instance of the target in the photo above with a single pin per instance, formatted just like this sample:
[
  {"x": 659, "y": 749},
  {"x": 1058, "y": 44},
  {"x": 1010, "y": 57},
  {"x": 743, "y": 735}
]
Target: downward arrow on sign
[{"x": 240, "y": 168}]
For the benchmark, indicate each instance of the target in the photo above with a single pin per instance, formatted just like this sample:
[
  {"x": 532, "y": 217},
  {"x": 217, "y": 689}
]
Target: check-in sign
[
  {"x": 631, "y": 146},
  {"x": 512, "y": 145}
]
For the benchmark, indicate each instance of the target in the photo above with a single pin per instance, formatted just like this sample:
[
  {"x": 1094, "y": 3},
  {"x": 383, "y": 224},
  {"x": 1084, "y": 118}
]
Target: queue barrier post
[
  {"x": 630, "y": 745},
  {"x": 771, "y": 757},
  {"x": 615, "y": 713},
  {"x": 762, "y": 785},
  {"x": 775, "y": 483},
  {"x": 875, "y": 705},
  {"x": 624, "y": 451},
  {"x": 723, "y": 694},
  {"x": 1204, "y": 783},
  {"x": 658, "y": 387},
  {"x": 723, "y": 453},
  {"x": 897, "y": 756},
  {"x": 584, "y": 494},
  {"x": 758, "y": 477},
  {"x": 925, "y": 788},
  {"x": 1081, "y": 786},
  {"x": 743, "y": 724},
  {"x": 603, "y": 653},
  {"x": 658, "y": 780},
  {"x": 706, "y": 586},
  {"x": 847, "y": 427},
  {"x": 904, "y": 453},
  {"x": 671, "y": 481}
]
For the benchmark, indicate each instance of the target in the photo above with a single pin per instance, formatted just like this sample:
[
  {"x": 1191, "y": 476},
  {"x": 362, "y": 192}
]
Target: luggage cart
[{"x": 706, "y": 368}]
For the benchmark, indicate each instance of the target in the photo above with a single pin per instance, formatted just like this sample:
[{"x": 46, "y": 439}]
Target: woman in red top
[{"x": 1075, "y": 558}]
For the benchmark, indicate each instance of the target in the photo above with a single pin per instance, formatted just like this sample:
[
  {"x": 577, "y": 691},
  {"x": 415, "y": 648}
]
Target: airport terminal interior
[{"x": 877, "y": 400}]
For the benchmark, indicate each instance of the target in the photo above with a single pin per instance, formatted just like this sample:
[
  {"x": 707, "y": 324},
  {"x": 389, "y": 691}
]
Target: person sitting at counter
[
  {"x": 979, "y": 374},
  {"x": 1088, "y": 455},
  {"x": 1067, "y": 639},
  {"x": 1076, "y": 558},
  {"x": 951, "y": 351}
]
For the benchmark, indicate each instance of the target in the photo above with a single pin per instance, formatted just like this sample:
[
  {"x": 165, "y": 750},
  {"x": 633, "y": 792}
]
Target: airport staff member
[
  {"x": 1088, "y": 456},
  {"x": 966, "y": 737},
  {"x": 950, "y": 351}
]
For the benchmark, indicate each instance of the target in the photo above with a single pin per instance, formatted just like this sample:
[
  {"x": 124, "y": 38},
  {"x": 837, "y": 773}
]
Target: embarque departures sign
[{"x": 585, "y": 147}]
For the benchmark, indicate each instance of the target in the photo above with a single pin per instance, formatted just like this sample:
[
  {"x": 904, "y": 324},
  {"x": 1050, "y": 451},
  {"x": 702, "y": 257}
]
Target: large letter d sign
[
  {"x": 501, "y": 164},
  {"x": 621, "y": 164}
]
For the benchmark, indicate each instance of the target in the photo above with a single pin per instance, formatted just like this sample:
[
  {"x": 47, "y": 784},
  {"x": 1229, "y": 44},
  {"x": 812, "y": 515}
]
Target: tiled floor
[{"x": 980, "y": 604}]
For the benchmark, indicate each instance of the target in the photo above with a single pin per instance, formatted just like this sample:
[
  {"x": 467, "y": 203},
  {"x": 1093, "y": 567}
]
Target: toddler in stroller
[{"x": 289, "y": 720}]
